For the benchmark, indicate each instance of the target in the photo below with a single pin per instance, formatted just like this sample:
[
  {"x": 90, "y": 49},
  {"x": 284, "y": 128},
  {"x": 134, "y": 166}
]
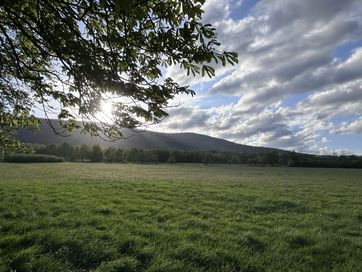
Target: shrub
[{"x": 28, "y": 158}]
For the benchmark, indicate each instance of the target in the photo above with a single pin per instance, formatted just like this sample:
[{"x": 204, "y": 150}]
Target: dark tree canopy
[{"x": 67, "y": 56}]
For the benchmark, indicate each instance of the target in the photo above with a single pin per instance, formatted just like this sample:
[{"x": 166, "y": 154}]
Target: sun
[{"x": 105, "y": 114}]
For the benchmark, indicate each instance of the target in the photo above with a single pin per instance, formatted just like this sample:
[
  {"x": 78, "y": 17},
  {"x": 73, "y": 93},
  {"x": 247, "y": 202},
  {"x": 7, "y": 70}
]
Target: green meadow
[{"x": 128, "y": 217}]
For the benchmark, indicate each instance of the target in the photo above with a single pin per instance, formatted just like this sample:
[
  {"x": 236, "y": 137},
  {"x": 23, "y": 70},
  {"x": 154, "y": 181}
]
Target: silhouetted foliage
[{"x": 79, "y": 53}]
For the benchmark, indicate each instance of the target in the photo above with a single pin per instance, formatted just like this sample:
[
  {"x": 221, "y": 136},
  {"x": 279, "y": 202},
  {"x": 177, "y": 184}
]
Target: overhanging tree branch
[{"x": 92, "y": 48}]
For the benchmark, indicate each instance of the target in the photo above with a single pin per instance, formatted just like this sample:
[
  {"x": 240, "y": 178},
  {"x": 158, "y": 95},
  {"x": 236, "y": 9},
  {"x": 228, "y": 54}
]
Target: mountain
[{"x": 141, "y": 140}]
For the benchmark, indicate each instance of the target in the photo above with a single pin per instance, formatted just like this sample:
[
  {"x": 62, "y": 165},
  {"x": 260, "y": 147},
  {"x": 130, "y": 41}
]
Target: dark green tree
[
  {"x": 66, "y": 151},
  {"x": 135, "y": 155},
  {"x": 150, "y": 156},
  {"x": 235, "y": 159},
  {"x": 51, "y": 149},
  {"x": 110, "y": 154},
  {"x": 163, "y": 155},
  {"x": 96, "y": 155},
  {"x": 76, "y": 153},
  {"x": 293, "y": 159},
  {"x": 84, "y": 152},
  {"x": 69, "y": 56},
  {"x": 271, "y": 158},
  {"x": 120, "y": 155}
]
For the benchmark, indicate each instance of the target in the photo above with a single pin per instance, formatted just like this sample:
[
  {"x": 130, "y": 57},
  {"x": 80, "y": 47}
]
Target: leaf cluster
[{"x": 69, "y": 56}]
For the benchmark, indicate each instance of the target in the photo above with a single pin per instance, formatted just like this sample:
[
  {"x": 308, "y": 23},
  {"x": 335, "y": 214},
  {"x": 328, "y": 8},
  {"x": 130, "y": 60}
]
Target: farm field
[{"x": 128, "y": 217}]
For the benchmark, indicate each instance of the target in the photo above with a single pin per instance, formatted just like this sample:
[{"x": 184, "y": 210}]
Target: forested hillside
[{"x": 139, "y": 139}]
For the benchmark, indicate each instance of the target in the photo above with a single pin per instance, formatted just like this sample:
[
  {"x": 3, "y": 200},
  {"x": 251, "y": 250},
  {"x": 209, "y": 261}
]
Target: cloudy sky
[{"x": 298, "y": 84}]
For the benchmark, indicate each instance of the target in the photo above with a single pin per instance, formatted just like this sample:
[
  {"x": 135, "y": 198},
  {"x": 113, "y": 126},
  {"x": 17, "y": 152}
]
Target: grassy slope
[{"x": 112, "y": 217}]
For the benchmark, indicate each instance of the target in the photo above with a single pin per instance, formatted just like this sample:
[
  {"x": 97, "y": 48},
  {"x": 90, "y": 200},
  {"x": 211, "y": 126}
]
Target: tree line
[{"x": 96, "y": 153}]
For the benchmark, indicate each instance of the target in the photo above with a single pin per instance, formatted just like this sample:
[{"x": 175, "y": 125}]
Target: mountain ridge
[{"x": 142, "y": 140}]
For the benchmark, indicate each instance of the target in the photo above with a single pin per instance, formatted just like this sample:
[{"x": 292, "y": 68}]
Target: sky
[{"x": 298, "y": 84}]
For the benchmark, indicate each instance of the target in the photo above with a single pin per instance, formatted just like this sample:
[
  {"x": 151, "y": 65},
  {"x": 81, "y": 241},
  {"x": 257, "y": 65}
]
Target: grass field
[{"x": 116, "y": 217}]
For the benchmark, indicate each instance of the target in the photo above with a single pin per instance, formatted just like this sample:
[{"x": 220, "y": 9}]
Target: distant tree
[
  {"x": 253, "y": 159},
  {"x": 271, "y": 158},
  {"x": 150, "y": 156},
  {"x": 235, "y": 159},
  {"x": 171, "y": 159},
  {"x": 207, "y": 158},
  {"x": 110, "y": 154},
  {"x": 51, "y": 149},
  {"x": 163, "y": 155},
  {"x": 243, "y": 157},
  {"x": 66, "y": 151},
  {"x": 293, "y": 159},
  {"x": 142, "y": 156},
  {"x": 120, "y": 155},
  {"x": 84, "y": 152},
  {"x": 133, "y": 155},
  {"x": 96, "y": 155},
  {"x": 76, "y": 153},
  {"x": 176, "y": 156},
  {"x": 79, "y": 52}
]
